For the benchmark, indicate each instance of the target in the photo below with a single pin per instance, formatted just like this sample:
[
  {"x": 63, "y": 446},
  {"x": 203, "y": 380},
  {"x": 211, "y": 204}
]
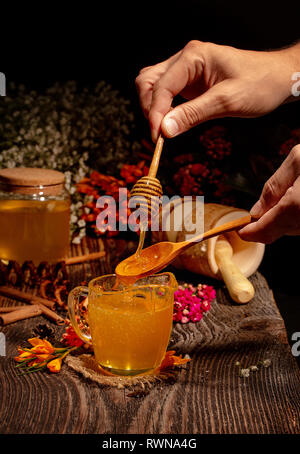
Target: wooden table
[{"x": 208, "y": 397}]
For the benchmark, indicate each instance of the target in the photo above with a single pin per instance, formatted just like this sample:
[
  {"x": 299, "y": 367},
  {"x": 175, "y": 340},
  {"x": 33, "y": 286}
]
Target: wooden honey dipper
[{"x": 147, "y": 190}]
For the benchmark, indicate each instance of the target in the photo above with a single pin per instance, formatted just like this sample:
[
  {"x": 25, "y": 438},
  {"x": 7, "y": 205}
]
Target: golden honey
[
  {"x": 34, "y": 230},
  {"x": 129, "y": 326},
  {"x": 34, "y": 215},
  {"x": 130, "y": 332}
]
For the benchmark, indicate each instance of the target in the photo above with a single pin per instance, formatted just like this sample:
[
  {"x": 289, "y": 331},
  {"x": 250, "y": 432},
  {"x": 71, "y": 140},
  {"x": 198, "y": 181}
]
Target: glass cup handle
[{"x": 77, "y": 321}]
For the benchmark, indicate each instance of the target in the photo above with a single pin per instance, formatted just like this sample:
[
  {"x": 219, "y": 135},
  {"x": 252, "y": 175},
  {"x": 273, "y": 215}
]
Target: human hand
[
  {"x": 217, "y": 81},
  {"x": 279, "y": 204}
]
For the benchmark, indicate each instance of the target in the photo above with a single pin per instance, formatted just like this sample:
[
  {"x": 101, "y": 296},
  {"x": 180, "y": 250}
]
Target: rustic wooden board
[{"x": 208, "y": 397}]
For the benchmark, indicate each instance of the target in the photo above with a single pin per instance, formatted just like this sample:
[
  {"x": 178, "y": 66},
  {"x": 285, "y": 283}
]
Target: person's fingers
[
  {"x": 218, "y": 101},
  {"x": 145, "y": 95},
  {"x": 282, "y": 219},
  {"x": 182, "y": 71},
  {"x": 147, "y": 77},
  {"x": 279, "y": 183},
  {"x": 266, "y": 230}
]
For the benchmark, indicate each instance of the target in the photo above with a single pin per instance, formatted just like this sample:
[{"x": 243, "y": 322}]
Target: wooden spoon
[{"x": 158, "y": 256}]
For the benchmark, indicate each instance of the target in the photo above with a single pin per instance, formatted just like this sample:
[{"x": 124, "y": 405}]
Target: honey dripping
[
  {"x": 141, "y": 242},
  {"x": 137, "y": 261},
  {"x": 149, "y": 188}
]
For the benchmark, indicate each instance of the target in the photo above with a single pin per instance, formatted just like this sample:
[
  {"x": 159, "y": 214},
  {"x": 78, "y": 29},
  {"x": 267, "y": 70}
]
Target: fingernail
[
  {"x": 154, "y": 137},
  {"x": 171, "y": 126},
  {"x": 257, "y": 209}
]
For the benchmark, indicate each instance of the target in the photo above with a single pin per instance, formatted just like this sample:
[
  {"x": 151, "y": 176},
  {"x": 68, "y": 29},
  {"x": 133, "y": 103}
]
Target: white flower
[
  {"x": 51, "y": 130},
  {"x": 244, "y": 372},
  {"x": 266, "y": 363},
  {"x": 82, "y": 233}
]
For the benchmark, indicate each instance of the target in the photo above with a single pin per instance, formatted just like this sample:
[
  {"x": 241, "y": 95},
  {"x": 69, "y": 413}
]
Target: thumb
[
  {"x": 212, "y": 104},
  {"x": 277, "y": 185}
]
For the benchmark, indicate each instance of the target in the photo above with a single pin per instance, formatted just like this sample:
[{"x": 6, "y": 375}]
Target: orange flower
[
  {"x": 40, "y": 360},
  {"x": 41, "y": 346},
  {"x": 37, "y": 341},
  {"x": 41, "y": 352},
  {"x": 55, "y": 365},
  {"x": 170, "y": 360},
  {"x": 105, "y": 182},
  {"x": 131, "y": 173},
  {"x": 84, "y": 188},
  {"x": 23, "y": 355},
  {"x": 40, "y": 356}
]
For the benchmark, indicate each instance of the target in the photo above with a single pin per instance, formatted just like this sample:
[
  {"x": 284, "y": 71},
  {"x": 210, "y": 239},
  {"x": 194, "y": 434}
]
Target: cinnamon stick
[
  {"x": 51, "y": 314},
  {"x": 84, "y": 258},
  {"x": 44, "y": 310},
  {"x": 24, "y": 296},
  {"x": 45, "y": 305},
  {"x": 21, "y": 314},
  {"x": 5, "y": 310}
]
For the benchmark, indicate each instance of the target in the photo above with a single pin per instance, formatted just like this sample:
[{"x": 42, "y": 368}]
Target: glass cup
[{"x": 129, "y": 327}]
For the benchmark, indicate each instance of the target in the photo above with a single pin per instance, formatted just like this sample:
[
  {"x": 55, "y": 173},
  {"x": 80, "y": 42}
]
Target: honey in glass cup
[
  {"x": 129, "y": 327},
  {"x": 34, "y": 215}
]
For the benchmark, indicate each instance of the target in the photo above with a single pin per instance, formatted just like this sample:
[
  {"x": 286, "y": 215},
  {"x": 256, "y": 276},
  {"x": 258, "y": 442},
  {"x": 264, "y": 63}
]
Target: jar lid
[{"x": 30, "y": 176}]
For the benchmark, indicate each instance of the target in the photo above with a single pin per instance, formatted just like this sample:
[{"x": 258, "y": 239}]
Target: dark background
[{"x": 89, "y": 41}]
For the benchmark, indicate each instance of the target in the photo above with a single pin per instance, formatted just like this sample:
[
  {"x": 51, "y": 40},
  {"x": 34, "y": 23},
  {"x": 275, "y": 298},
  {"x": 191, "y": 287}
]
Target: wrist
[
  {"x": 291, "y": 64},
  {"x": 294, "y": 56}
]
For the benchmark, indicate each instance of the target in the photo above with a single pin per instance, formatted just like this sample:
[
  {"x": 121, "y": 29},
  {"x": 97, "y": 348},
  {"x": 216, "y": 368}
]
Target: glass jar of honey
[{"x": 34, "y": 215}]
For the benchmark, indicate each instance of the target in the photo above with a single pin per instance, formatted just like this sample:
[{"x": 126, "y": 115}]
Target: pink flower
[{"x": 190, "y": 303}]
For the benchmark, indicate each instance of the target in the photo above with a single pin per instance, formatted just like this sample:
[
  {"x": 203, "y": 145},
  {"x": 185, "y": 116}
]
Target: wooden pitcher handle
[{"x": 239, "y": 287}]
